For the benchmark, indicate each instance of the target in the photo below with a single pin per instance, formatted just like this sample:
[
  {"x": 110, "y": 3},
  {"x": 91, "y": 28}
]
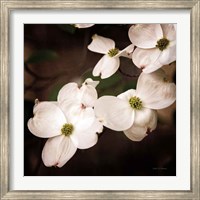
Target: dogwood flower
[
  {"x": 83, "y": 25},
  {"x": 134, "y": 111},
  {"x": 85, "y": 95},
  {"x": 156, "y": 45},
  {"x": 110, "y": 62},
  {"x": 68, "y": 127},
  {"x": 69, "y": 123}
]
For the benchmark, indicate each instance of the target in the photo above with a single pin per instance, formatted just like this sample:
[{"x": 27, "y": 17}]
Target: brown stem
[{"x": 128, "y": 75}]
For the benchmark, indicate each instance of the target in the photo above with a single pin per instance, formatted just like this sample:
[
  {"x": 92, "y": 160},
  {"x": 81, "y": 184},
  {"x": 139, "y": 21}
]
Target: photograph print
[{"x": 99, "y": 99}]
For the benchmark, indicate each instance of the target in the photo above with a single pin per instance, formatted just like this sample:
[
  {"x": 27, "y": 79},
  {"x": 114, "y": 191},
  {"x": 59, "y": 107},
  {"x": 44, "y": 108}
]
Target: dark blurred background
[{"x": 55, "y": 55}]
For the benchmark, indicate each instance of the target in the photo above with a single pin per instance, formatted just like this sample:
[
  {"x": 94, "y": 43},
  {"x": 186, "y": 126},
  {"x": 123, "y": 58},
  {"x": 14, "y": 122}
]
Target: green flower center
[
  {"x": 162, "y": 44},
  {"x": 165, "y": 80},
  {"x": 113, "y": 52},
  {"x": 67, "y": 129},
  {"x": 135, "y": 103}
]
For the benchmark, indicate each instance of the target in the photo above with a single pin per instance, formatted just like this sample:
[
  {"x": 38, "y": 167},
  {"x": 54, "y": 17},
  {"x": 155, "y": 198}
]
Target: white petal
[
  {"x": 157, "y": 76},
  {"x": 88, "y": 95},
  {"x": 127, "y": 52},
  {"x": 89, "y": 81},
  {"x": 97, "y": 126},
  {"x": 82, "y": 118},
  {"x": 162, "y": 96},
  {"x": 154, "y": 90},
  {"x": 77, "y": 114},
  {"x": 168, "y": 55},
  {"x": 114, "y": 113},
  {"x": 106, "y": 66},
  {"x": 169, "y": 31},
  {"x": 144, "y": 80},
  {"x": 145, "y": 35},
  {"x": 136, "y": 133},
  {"x": 142, "y": 58},
  {"x": 172, "y": 43},
  {"x": 57, "y": 151},
  {"x": 153, "y": 122},
  {"x": 47, "y": 121},
  {"x": 152, "y": 67},
  {"x": 84, "y": 139},
  {"x": 127, "y": 95},
  {"x": 99, "y": 67},
  {"x": 101, "y": 44},
  {"x": 70, "y": 108},
  {"x": 144, "y": 116},
  {"x": 68, "y": 92},
  {"x": 83, "y": 25}
]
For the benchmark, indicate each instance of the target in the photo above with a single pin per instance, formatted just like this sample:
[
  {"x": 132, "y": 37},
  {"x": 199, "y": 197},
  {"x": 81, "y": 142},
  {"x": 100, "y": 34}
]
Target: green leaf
[
  {"x": 54, "y": 92},
  {"x": 130, "y": 85},
  {"x": 67, "y": 28},
  {"x": 109, "y": 82},
  {"x": 41, "y": 56}
]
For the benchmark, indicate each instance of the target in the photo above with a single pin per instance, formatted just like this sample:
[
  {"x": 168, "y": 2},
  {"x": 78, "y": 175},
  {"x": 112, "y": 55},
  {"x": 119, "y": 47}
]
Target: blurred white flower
[
  {"x": 134, "y": 110},
  {"x": 85, "y": 95},
  {"x": 83, "y": 25},
  {"x": 68, "y": 127},
  {"x": 110, "y": 62},
  {"x": 156, "y": 45}
]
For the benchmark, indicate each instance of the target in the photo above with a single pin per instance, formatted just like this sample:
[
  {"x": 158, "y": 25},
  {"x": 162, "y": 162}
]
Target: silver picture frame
[{"x": 6, "y": 8}]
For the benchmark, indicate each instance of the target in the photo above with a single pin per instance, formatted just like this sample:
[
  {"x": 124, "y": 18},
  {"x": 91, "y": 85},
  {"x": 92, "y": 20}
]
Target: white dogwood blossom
[
  {"x": 156, "y": 45},
  {"x": 67, "y": 127},
  {"x": 110, "y": 62},
  {"x": 83, "y": 25},
  {"x": 134, "y": 111},
  {"x": 69, "y": 123}
]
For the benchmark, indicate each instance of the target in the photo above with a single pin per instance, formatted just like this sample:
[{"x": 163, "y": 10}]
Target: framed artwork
[{"x": 100, "y": 99}]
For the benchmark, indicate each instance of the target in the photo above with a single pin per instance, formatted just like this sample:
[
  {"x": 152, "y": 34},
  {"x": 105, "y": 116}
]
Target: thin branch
[{"x": 128, "y": 75}]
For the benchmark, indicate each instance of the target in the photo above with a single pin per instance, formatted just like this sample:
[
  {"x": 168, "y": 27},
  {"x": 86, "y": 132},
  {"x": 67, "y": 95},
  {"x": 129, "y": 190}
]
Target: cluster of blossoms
[
  {"x": 134, "y": 111},
  {"x": 69, "y": 122},
  {"x": 155, "y": 46},
  {"x": 78, "y": 116}
]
